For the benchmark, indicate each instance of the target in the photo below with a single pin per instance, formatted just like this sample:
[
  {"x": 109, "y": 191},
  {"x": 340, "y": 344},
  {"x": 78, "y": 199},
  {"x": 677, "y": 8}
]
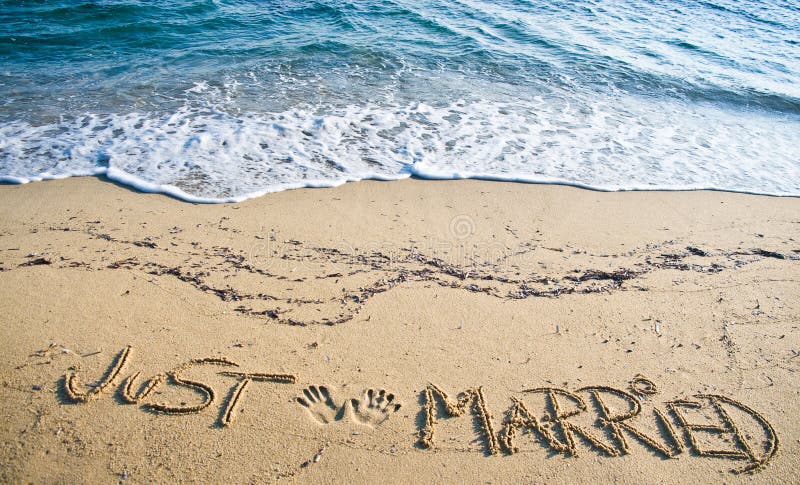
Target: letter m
[{"x": 455, "y": 408}]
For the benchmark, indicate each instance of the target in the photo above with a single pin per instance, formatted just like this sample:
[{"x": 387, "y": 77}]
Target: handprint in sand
[
  {"x": 374, "y": 407},
  {"x": 320, "y": 405}
]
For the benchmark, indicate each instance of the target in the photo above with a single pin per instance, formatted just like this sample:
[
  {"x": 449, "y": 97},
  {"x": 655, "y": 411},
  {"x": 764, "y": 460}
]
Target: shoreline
[
  {"x": 315, "y": 305},
  {"x": 133, "y": 184}
]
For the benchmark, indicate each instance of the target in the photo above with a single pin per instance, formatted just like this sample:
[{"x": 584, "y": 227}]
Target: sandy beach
[{"x": 435, "y": 331}]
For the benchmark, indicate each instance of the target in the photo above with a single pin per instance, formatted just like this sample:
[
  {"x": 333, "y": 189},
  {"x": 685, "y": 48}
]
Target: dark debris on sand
[{"x": 204, "y": 268}]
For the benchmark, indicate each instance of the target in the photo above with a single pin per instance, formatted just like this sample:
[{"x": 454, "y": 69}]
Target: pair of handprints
[{"x": 372, "y": 409}]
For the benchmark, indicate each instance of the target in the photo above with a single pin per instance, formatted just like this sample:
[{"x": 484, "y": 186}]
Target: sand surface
[{"x": 458, "y": 331}]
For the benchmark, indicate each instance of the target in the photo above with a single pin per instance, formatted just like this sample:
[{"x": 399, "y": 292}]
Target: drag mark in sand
[
  {"x": 71, "y": 380},
  {"x": 643, "y": 386},
  {"x": 558, "y": 419},
  {"x": 728, "y": 427},
  {"x": 457, "y": 408},
  {"x": 228, "y": 412},
  {"x": 616, "y": 414},
  {"x": 204, "y": 389},
  {"x": 244, "y": 380},
  {"x": 207, "y": 392},
  {"x": 151, "y": 385},
  {"x": 555, "y": 431},
  {"x": 617, "y": 423}
]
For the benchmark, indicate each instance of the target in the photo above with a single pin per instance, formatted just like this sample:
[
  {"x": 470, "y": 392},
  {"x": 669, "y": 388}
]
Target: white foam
[{"x": 205, "y": 155}]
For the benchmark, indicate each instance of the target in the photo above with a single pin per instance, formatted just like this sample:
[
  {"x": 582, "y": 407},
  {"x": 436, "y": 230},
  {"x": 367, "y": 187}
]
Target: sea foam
[
  {"x": 222, "y": 101},
  {"x": 204, "y": 155}
]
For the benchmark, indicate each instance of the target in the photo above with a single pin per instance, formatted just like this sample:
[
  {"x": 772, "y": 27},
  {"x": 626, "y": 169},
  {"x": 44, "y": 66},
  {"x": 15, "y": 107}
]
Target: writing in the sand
[
  {"x": 557, "y": 430},
  {"x": 558, "y": 422}
]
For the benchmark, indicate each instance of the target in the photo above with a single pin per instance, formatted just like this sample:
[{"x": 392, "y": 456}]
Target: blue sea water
[{"x": 214, "y": 100}]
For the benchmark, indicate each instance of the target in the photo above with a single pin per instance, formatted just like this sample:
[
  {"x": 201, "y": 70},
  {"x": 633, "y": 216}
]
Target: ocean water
[{"x": 221, "y": 100}]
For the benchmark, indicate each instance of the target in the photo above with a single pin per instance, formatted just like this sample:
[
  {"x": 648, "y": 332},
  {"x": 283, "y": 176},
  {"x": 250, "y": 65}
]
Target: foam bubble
[{"x": 203, "y": 154}]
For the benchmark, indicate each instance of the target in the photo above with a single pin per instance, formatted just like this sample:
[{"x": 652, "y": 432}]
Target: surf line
[{"x": 556, "y": 430}]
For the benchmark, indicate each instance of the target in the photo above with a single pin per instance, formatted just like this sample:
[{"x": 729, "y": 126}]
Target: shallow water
[{"x": 223, "y": 100}]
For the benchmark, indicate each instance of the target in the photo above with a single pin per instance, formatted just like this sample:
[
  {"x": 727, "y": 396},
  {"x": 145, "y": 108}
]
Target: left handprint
[{"x": 320, "y": 405}]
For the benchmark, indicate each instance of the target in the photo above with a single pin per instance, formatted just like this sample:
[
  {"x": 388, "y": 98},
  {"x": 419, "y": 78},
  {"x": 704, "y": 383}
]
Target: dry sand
[{"x": 514, "y": 297}]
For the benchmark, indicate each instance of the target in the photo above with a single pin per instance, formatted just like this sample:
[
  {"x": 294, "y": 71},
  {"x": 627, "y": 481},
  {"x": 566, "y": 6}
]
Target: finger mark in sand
[{"x": 373, "y": 408}]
